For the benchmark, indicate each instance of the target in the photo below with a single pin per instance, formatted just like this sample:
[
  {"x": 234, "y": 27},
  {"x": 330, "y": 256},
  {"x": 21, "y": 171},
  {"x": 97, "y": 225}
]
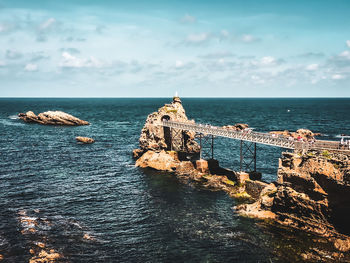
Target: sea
[{"x": 91, "y": 204}]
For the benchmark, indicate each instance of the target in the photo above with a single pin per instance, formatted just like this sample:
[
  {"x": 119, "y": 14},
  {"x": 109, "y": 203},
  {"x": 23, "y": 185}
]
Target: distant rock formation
[
  {"x": 237, "y": 127},
  {"x": 305, "y": 134},
  {"x": 85, "y": 140},
  {"x": 155, "y": 137},
  {"x": 312, "y": 194},
  {"x": 52, "y": 118}
]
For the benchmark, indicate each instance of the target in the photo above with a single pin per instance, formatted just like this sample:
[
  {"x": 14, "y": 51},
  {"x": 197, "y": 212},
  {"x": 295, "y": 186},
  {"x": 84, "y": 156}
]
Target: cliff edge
[{"x": 312, "y": 193}]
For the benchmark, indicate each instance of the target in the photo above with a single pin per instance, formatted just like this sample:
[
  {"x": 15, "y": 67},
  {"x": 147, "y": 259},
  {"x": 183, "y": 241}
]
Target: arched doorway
[{"x": 167, "y": 132}]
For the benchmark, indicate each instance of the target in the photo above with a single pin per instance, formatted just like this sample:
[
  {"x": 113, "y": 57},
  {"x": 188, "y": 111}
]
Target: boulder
[
  {"x": 52, "y": 118},
  {"x": 242, "y": 177},
  {"x": 202, "y": 166},
  {"x": 342, "y": 244},
  {"x": 85, "y": 140},
  {"x": 162, "y": 160}
]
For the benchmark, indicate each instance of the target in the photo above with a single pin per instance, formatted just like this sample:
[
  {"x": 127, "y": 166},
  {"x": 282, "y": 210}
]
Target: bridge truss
[{"x": 248, "y": 139}]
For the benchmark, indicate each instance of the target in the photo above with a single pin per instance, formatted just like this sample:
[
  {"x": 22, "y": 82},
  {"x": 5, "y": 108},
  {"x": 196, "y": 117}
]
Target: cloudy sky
[{"x": 150, "y": 48}]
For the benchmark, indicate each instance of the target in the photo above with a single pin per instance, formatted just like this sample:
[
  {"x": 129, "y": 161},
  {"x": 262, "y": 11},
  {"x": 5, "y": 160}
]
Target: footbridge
[{"x": 248, "y": 139}]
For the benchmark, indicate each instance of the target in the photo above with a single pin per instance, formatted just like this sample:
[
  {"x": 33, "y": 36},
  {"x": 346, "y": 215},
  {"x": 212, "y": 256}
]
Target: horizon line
[{"x": 185, "y": 97}]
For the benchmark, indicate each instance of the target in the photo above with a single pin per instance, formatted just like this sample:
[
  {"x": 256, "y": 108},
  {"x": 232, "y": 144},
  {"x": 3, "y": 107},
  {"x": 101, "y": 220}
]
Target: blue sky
[{"x": 154, "y": 48}]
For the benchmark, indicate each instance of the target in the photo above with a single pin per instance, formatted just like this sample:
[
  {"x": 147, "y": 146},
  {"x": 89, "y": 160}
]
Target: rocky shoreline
[{"x": 312, "y": 191}]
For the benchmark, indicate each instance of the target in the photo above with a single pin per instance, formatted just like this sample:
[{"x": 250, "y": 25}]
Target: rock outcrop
[
  {"x": 236, "y": 127},
  {"x": 312, "y": 193},
  {"x": 52, "y": 118},
  {"x": 155, "y": 137},
  {"x": 85, "y": 140},
  {"x": 162, "y": 160},
  {"x": 305, "y": 134}
]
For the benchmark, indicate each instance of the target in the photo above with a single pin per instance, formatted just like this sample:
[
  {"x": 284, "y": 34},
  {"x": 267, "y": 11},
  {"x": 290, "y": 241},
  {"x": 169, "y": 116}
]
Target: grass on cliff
[{"x": 326, "y": 154}]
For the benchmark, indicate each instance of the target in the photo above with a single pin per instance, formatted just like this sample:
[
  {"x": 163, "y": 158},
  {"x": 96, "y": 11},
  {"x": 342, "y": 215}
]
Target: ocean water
[{"x": 129, "y": 214}]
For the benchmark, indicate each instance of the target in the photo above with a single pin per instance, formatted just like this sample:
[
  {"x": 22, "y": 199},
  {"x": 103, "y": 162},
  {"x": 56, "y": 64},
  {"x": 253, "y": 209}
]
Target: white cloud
[
  {"x": 5, "y": 28},
  {"x": 249, "y": 39},
  {"x": 338, "y": 76},
  {"x": 70, "y": 61},
  {"x": 267, "y": 61},
  {"x": 345, "y": 54},
  {"x": 312, "y": 67},
  {"x": 2, "y": 63},
  {"x": 198, "y": 38},
  {"x": 348, "y": 43},
  {"x": 187, "y": 19},
  {"x": 31, "y": 67},
  {"x": 47, "y": 24},
  {"x": 179, "y": 64},
  {"x": 217, "y": 55},
  {"x": 224, "y": 33},
  {"x": 13, "y": 54}
]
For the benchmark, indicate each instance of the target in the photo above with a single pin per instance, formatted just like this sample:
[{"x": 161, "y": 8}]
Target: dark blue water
[{"x": 135, "y": 215}]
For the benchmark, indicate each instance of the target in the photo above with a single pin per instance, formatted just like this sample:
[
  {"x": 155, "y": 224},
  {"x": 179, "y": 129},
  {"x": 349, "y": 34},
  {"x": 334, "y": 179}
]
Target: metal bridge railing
[{"x": 256, "y": 137}]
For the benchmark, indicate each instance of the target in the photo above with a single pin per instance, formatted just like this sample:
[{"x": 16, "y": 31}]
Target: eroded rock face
[
  {"x": 154, "y": 137},
  {"x": 312, "y": 193},
  {"x": 52, "y": 118}
]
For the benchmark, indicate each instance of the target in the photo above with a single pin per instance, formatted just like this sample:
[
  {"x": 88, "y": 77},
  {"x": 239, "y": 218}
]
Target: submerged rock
[
  {"x": 52, "y": 118},
  {"x": 85, "y": 140}
]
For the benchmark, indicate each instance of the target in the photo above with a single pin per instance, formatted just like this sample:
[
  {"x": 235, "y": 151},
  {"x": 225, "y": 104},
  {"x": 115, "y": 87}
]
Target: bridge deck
[{"x": 256, "y": 137}]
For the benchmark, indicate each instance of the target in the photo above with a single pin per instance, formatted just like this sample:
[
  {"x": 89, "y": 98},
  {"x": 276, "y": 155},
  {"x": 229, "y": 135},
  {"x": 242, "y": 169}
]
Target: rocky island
[
  {"x": 311, "y": 193},
  {"x": 52, "y": 118}
]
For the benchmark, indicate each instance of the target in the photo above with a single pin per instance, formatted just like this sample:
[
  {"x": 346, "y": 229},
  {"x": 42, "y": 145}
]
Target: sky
[{"x": 105, "y": 48}]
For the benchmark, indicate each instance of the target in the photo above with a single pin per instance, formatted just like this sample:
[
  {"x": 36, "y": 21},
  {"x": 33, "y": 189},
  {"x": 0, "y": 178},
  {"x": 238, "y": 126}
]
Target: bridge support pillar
[
  {"x": 247, "y": 156},
  {"x": 177, "y": 140},
  {"x": 205, "y": 151}
]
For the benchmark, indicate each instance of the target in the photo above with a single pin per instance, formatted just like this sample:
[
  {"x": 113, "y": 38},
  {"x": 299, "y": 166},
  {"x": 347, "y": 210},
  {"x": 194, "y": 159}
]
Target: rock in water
[
  {"x": 305, "y": 134},
  {"x": 155, "y": 137},
  {"x": 85, "y": 140},
  {"x": 162, "y": 161},
  {"x": 52, "y": 118}
]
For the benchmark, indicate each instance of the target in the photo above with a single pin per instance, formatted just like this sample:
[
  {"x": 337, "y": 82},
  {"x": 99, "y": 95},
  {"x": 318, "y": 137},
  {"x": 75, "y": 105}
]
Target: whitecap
[
  {"x": 8, "y": 122},
  {"x": 344, "y": 136},
  {"x": 13, "y": 117}
]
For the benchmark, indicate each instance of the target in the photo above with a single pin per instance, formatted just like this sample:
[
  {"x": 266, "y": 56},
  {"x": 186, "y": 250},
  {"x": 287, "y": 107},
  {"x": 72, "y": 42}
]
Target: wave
[
  {"x": 342, "y": 136},
  {"x": 10, "y": 122},
  {"x": 13, "y": 117}
]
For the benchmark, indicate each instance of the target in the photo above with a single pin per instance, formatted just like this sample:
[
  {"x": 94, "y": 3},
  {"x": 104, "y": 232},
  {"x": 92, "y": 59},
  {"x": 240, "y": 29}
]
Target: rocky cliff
[
  {"x": 155, "y": 137},
  {"x": 312, "y": 193},
  {"x": 52, "y": 118}
]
